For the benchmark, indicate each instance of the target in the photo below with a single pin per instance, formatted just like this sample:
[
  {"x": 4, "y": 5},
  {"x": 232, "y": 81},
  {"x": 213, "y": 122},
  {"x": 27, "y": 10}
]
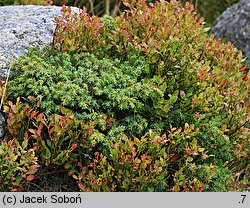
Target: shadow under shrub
[{"x": 167, "y": 107}]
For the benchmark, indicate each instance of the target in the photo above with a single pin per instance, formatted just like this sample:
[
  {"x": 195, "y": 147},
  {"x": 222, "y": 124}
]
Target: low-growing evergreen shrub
[
  {"x": 166, "y": 107},
  {"x": 120, "y": 96}
]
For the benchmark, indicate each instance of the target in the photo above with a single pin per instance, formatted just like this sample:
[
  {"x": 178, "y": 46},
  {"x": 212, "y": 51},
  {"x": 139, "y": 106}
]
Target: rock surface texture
[
  {"x": 22, "y": 27},
  {"x": 234, "y": 25}
]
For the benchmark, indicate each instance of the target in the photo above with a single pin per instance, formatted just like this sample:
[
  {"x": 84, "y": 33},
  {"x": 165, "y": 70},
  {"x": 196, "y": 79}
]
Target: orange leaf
[
  {"x": 174, "y": 158},
  {"x": 30, "y": 177},
  {"x": 32, "y": 131}
]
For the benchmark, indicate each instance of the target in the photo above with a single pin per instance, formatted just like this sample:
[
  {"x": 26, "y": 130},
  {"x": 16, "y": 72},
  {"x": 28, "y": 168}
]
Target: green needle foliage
[{"x": 92, "y": 89}]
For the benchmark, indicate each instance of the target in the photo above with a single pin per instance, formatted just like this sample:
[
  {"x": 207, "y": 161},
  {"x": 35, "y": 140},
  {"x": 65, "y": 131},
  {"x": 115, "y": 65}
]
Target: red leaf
[
  {"x": 69, "y": 9},
  {"x": 84, "y": 170},
  {"x": 56, "y": 19},
  {"x": 75, "y": 177},
  {"x": 38, "y": 132},
  {"x": 74, "y": 147},
  {"x": 40, "y": 117},
  {"x": 245, "y": 78},
  {"x": 10, "y": 117},
  {"x": 91, "y": 130},
  {"x": 174, "y": 158},
  {"x": 182, "y": 93},
  {"x": 30, "y": 177},
  {"x": 125, "y": 3},
  {"x": 195, "y": 153}
]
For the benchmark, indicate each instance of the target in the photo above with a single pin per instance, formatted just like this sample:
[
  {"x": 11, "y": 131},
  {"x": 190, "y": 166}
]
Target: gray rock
[
  {"x": 234, "y": 25},
  {"x": 2, "y": 123},
  {"x": 22, "y": 27}
]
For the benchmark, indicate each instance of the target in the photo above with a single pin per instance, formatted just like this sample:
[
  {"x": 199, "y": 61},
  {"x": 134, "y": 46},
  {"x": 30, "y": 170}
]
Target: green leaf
[
  {"x": 151, "y": 189},
  {"x": 206, "y": 29},
  {"x": 24, "y": 144},
  {"x": 47, "y": 154},
  {"x": 190, "y": 159},
  {"x": 61, "y": 157}
]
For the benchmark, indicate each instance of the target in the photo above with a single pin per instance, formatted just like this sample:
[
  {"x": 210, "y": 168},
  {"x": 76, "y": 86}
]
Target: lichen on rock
[
  {"x": 22, "y": 27},
  {"x": 234, "y": 26}
]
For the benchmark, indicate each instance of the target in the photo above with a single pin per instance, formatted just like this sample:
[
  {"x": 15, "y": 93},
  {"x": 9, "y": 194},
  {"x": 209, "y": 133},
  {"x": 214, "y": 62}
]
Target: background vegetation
[{"x": 209, "y": 9}]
